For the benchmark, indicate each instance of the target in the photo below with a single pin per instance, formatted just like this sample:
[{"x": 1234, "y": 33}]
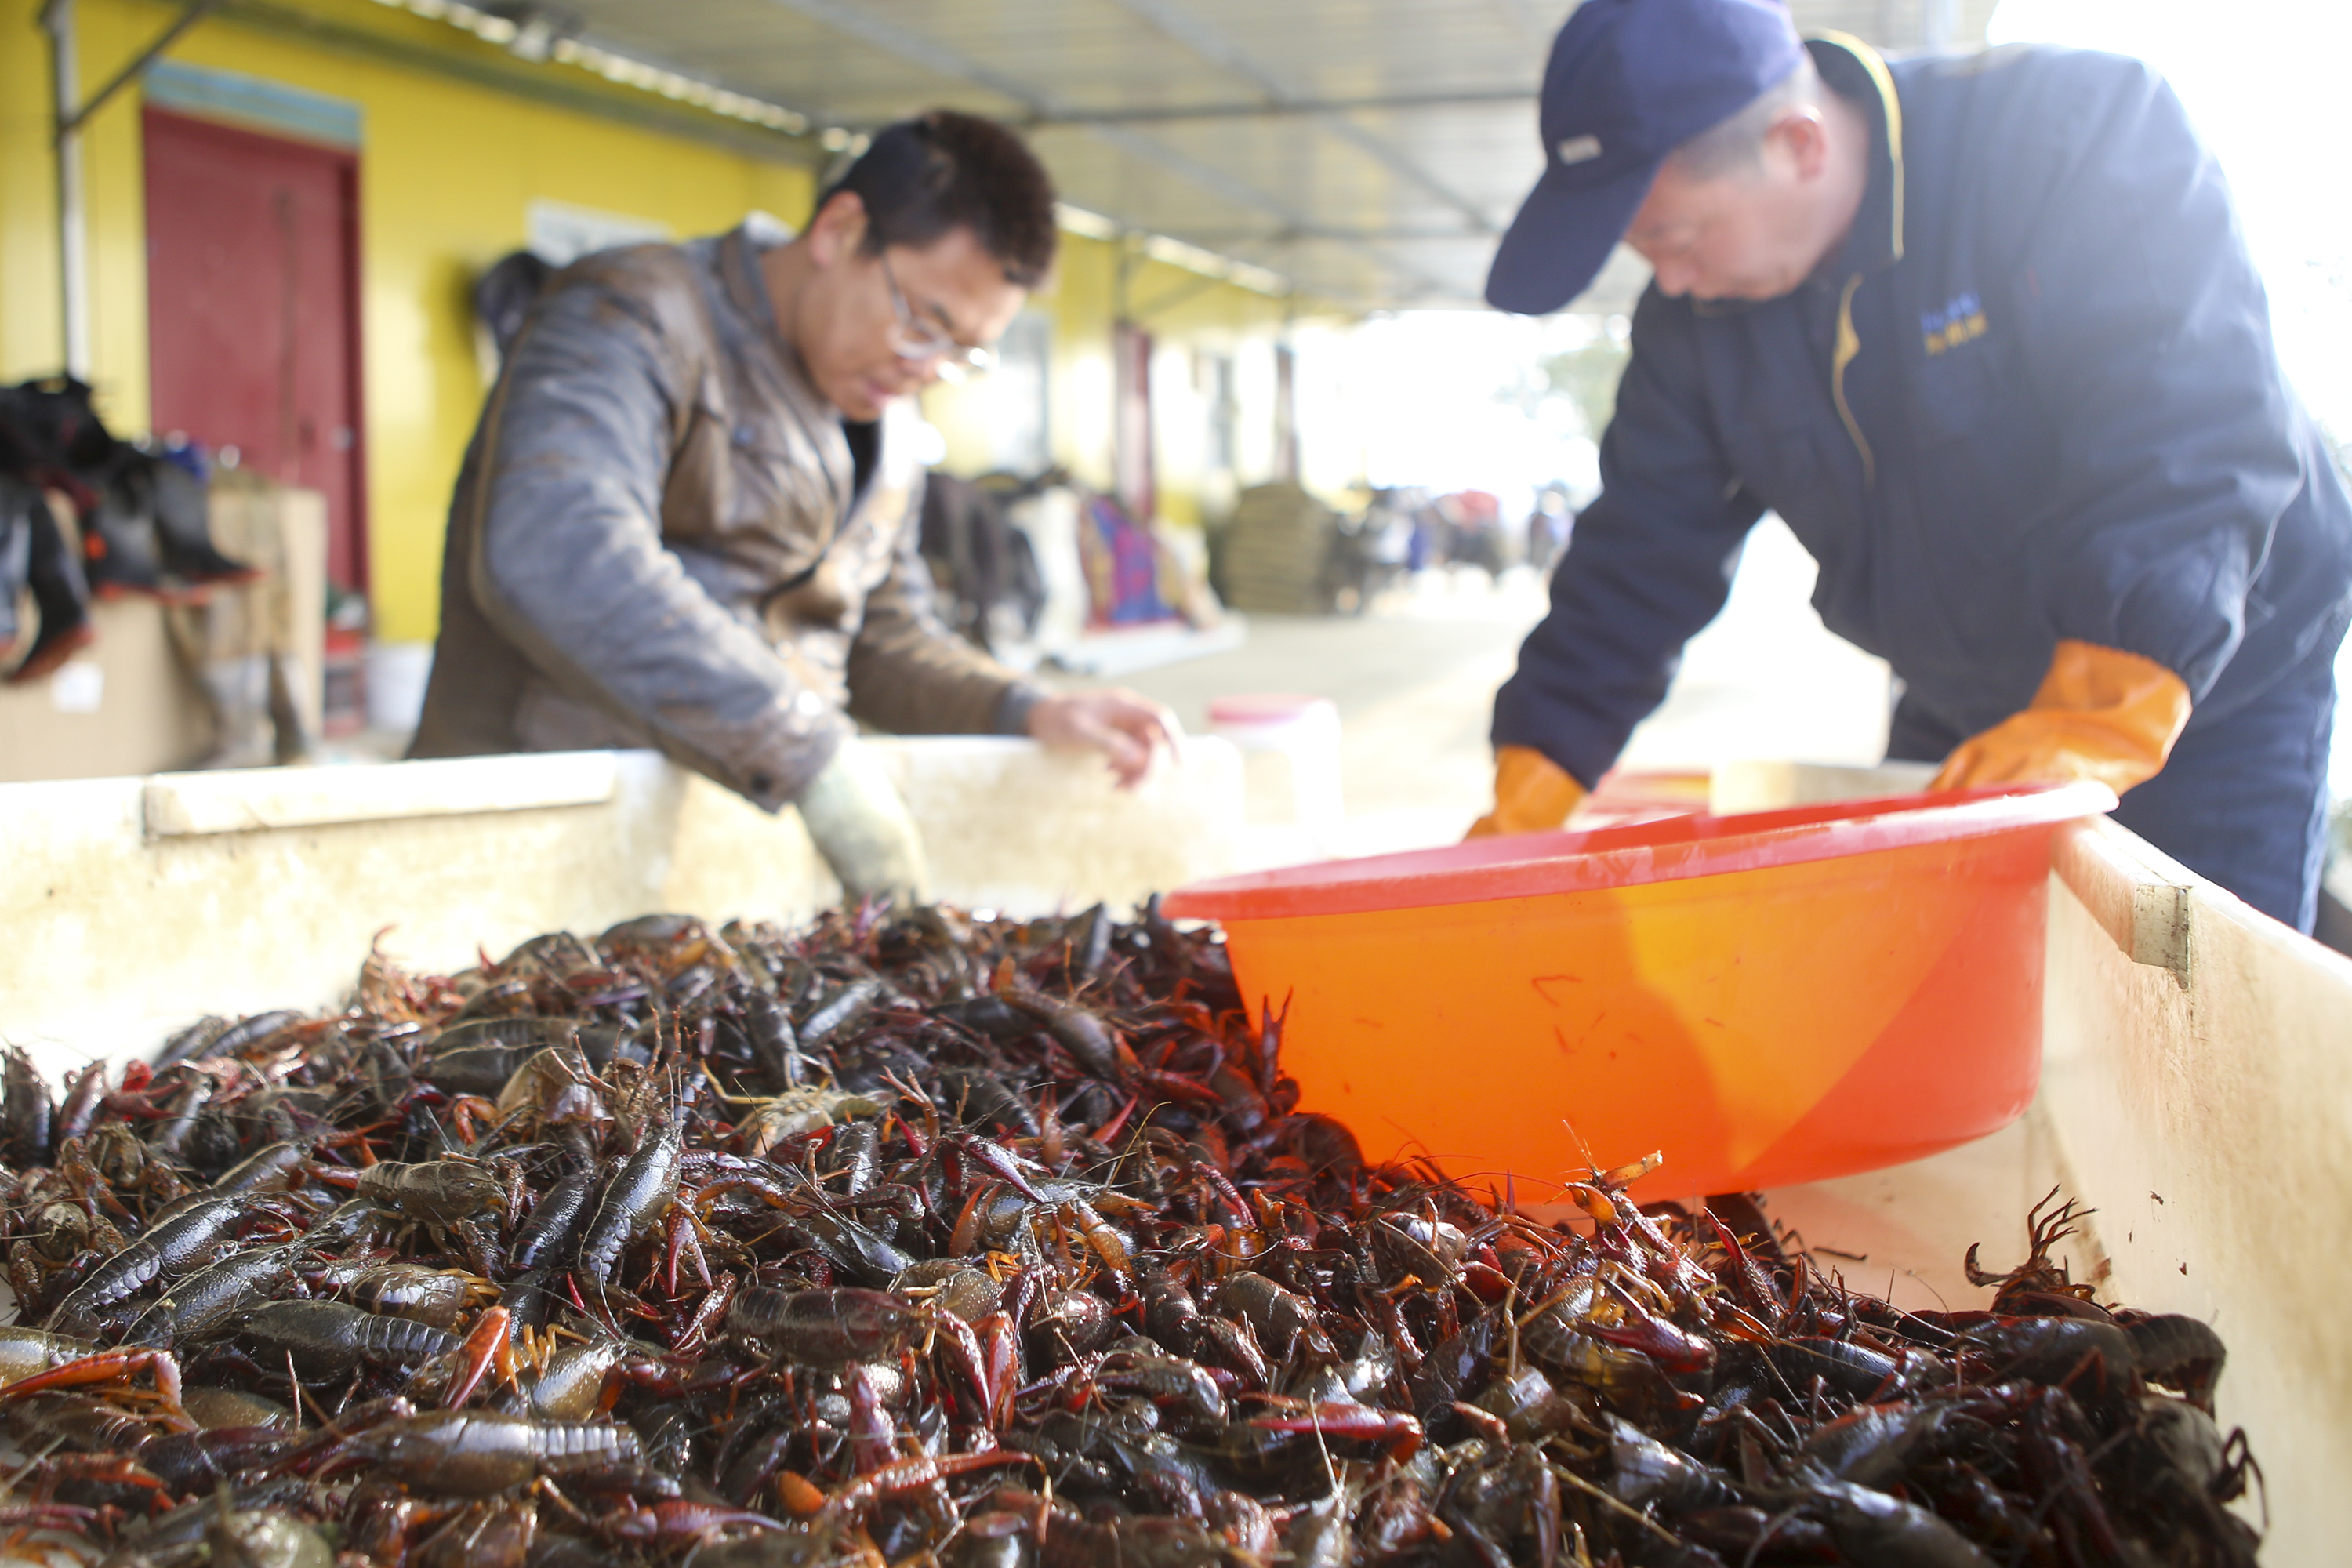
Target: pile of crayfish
[{"x": 934, "y": 1237}]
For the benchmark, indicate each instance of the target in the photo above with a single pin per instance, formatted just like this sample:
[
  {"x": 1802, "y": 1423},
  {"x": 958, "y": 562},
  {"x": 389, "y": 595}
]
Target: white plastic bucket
[
  {"x": 396, "y": 674},
  {"x": 1290, "y": 757}
]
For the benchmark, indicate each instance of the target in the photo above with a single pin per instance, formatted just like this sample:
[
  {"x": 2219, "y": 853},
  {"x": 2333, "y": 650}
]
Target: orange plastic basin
[{"x": 1768, "y": 998}]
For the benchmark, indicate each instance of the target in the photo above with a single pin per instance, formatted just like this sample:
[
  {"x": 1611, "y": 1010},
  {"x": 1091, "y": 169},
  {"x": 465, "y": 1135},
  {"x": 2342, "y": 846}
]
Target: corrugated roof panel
[
  {"x": 1337, "y": 47},
  {"x": 1076, "y": 52},
  {"x": 1368, "y": 202}
]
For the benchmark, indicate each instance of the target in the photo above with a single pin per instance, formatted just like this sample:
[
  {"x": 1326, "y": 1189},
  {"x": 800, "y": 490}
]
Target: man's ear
[
  {"x": 1801, "y": 137},
  {"x": 835, "y": 229}
]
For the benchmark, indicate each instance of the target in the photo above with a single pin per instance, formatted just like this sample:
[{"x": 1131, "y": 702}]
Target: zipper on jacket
[{"x": 1849, "y": 344}]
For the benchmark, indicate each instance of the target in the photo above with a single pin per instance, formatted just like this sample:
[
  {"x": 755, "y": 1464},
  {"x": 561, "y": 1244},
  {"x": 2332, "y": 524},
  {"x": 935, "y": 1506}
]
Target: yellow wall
[
  {"x": 447, "y": 170},
  {"x": 29, "y": 273}
]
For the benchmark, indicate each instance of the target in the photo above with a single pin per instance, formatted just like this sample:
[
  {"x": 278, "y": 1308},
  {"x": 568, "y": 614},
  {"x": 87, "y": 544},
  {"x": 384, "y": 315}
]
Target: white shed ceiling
[{"x": 1370, "y": 152}]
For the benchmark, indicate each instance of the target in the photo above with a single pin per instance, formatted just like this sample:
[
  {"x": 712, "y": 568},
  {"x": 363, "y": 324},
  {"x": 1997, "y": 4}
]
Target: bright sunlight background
[{"x": 2263, "y": 79}]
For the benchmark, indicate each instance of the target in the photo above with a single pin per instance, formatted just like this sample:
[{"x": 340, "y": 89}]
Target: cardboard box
[{"x": 129, "y": 704}]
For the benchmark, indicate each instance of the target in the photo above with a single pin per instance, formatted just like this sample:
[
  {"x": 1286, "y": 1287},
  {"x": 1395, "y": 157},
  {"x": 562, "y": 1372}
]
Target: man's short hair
[
  {"x": 923, "y": 178},
  {"x": 1737, "y": 144}
]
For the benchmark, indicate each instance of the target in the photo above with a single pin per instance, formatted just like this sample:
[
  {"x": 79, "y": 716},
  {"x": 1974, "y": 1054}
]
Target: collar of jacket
[
  {"x": 1858, "y": 73},
  {"x": 739, "y": 250}
]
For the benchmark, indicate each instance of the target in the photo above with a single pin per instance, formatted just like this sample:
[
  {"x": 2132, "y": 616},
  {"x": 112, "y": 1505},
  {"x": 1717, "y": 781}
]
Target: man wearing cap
[{"x": 1983, "y": 332}]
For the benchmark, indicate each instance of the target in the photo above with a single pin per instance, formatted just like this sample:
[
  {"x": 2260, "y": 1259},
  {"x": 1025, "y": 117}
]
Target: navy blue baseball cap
[{"x": 1629, "y": 81}]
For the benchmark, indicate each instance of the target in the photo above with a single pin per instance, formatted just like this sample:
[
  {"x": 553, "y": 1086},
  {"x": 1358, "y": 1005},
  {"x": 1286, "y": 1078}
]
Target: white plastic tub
[
  {"x": 131, "y": 906},
  {"x": 2197, "y": 1090}
]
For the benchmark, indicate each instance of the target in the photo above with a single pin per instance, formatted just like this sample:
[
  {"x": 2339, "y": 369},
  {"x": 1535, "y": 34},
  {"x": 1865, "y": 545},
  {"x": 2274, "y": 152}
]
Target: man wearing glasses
[{"x": 686, "y": 521}]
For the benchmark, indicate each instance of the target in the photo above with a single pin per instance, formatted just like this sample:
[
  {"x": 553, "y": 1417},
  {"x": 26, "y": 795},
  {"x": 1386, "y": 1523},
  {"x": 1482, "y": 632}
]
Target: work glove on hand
[
  {"x": 1532, "y": 794},
  {"x": 861, "y": 828},
  {"x": 2102, "y": 713}
]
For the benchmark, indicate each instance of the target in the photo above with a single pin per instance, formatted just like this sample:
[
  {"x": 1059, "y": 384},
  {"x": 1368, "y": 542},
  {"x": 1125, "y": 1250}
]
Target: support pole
[
  {"x": 196, "y": 12},
  {"x": 73, "y": 212},
  {"x": 1939, "y": 23},
  {"x": 73, "y": 204}
]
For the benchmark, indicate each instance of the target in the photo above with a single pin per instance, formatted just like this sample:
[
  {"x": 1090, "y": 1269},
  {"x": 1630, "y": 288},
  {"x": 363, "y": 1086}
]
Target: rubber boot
[
  {"x": 59, "y": 592},
  {"x": 118, "y": 538},
  {"x": 294, "y": 743},
  {"x": 181, "y": 504},
  {"x": 58, "y": 413},
  {"x": 15, "y": 560},
  {"x": 244, "y": 735}
]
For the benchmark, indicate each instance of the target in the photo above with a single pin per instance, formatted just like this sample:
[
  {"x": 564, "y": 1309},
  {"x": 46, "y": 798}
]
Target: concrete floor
[{"x": 1415, "y": 682}]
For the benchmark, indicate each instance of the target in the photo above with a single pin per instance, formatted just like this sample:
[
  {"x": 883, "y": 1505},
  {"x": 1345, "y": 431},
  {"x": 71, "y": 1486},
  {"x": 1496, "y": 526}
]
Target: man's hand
[
  {"x": 854, "y": 815},
  {"x": 1532, "y": 794},
  {"x": 1128, "y": 730},
  {"x": 2102, "y": 713}
]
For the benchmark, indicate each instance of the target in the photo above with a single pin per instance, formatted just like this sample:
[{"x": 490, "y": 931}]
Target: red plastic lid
[
  {"x": 1264, "y": 708},
  {"x": 1529, "y": 865}
]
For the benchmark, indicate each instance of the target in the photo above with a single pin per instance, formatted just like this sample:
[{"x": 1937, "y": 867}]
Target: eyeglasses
[{"x": 916, "y": 339}]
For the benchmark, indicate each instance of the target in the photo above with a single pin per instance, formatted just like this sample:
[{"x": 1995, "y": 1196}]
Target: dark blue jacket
[{"x": 2034, "y": 396}]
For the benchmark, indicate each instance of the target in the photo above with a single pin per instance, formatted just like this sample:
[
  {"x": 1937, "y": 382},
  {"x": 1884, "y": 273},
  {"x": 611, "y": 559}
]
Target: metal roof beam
[
  {"x": 1206, "y": 42},
  {"x": 193, "y": 14},
  {"x": 1262, "y": 109},
  {"x": 645, "y": 111},
  {"x": 1537, "y": 30},
  {"x": 1337, "y": 232},
  {"x": 913, "y": 47},
  {"x": 901, "y": 43}
]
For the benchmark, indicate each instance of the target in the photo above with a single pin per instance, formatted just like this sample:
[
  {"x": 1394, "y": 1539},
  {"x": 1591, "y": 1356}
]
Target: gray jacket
[{"x": 657, "y": 539}]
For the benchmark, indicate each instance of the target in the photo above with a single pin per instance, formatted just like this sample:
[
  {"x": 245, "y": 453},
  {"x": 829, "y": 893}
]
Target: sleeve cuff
[
  {"x": 1012, "y": 709},
  {"x": 779, "y": 770}
]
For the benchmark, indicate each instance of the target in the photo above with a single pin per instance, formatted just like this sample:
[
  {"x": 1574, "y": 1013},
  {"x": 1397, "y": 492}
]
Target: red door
[{"x": 253, "y": 310}]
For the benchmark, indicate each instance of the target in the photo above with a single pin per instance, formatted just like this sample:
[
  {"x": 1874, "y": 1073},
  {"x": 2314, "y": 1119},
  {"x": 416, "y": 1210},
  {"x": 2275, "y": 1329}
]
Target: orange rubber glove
[
  {"x": 1532, "y": 794},
  {"x": 2102, "y": 713}
]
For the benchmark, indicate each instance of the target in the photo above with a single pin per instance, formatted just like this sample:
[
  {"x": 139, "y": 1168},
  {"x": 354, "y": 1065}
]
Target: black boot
[
  {"x": 15, "y": 560},
  {"x": 51, "y": 438},
  {"x": 59, "y": 592},
  {"x": 181, "y": 506},
  {"x": 55, "y": 419},
  {"x": 119, "y": 535}
]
